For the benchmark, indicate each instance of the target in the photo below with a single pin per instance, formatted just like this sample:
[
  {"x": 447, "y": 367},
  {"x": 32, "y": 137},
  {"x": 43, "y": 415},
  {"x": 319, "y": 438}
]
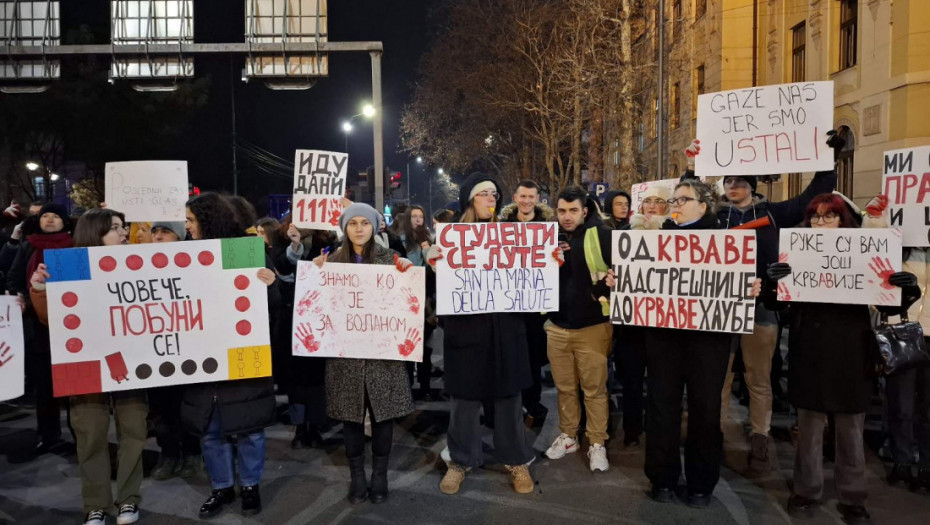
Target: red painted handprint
[
  {"x": 883, "y": 270},
  {"x": 305, "y": 334},
  {"x": 334, "y": 218},
  {"x": 412, "y": 301},
  {"x": 782, "y": 257},
  {"x": 5, "y": 353},
  {"x": 410, "y": 344},
  {"x": 783, "y": 294},
  {"x": 306, "y": 303}
]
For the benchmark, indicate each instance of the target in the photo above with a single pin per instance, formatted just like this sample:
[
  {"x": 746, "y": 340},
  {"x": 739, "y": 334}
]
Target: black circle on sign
[
  {"x": 189, "y": 367},
  {"x": 210, "y": 365},
  {"x": 166, "y": 369},
  {"x": 143, "y": 371}
]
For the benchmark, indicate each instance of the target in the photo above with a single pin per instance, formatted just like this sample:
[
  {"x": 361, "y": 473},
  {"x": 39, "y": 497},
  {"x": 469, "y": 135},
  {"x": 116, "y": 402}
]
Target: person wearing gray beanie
[
  {"x": 359, "y": 209},
  {"x": 162, "y": 231}
]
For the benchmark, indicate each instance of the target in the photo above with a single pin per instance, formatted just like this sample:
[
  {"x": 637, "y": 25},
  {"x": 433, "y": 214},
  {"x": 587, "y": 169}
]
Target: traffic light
[
  {"x": 192, "y": 190},
  {"x": 395, "y": 179}
]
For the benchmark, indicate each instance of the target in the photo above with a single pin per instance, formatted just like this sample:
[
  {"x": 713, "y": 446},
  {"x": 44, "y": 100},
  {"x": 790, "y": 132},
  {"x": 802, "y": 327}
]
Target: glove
[
  {"x": 692, "y": 151},
  {"x": 877, "y": 206},
  {"x": 13, "y": 210},
  {"x": 836, "y": 142},
  {"x": 559, "y": 256},
  {"x": 17, "y": 232},
  {"x": 401, "y": 264},
  {"x": 902, "y": 279},
  {"x": 777, "y": 271},
  {"x": 432, "y": 255}
]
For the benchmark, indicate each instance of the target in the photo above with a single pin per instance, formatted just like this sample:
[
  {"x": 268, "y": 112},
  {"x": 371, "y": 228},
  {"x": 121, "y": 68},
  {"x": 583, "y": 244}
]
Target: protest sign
[
  {"x": 147, "y": 191},
  {"x": 149, "y": 315},
  {"x": 12, "y": 349},
  {"x": 319, "y": 186},
  {"x": 637, "y": 191},
  {"x": 360, "y": 311},
  {"x": 906, "y": 183},
  {"x": 765, "y": 130},
  {"x": 497, "y": 267},
  {"x": 840, "y": 265},
  {"x": 695, "y": 280}
]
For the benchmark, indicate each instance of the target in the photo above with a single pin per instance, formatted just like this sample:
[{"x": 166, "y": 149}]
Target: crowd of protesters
[{"x": 494, "y": 362}]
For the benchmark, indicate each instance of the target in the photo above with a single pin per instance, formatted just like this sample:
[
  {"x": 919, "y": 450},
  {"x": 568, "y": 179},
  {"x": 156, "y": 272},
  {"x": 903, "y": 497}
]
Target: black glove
[
  {"x": 835, "y": 141},
  {"x": 902, "y": 279},
  {"x": 778, "y": 271}
]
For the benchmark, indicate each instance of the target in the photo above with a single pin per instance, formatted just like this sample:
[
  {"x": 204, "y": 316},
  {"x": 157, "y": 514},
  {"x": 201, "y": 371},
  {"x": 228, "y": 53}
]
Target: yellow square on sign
[{"x": 249, "y": 361}]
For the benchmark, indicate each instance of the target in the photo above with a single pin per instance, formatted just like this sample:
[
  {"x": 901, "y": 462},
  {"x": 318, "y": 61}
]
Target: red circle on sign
[
  {"x": 205, "y": 258},
  {"x": 107, "y": 264},
  {"x": 159, "y": 260},
  {"x": 182, "y": 259},
  {"x": 72, "y": 322},
  {"x": 74, "y": 345},
  {"x": 134, "y": 262},
  {"x": 241, "y": 282},
  {"x": 243, "y": 327},
  {"x": 243, "y": 304},
  {"x": 69, "y": 299}
]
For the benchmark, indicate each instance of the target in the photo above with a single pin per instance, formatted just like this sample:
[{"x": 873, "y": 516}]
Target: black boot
[
  {"x": 215, "y": 502},
  {"x": 300, "y": 436},
  {"x": 358, "y": 488},
  {"x": 251, "y": 500},
  {"x": 379, "y": 482}
]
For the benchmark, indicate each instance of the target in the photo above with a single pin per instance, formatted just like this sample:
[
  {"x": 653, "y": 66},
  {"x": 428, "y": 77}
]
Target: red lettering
[
  {"x": 697, "y": 253},
  {"x": 750, "y": 147},
  {"x": 664, "y": 240}
]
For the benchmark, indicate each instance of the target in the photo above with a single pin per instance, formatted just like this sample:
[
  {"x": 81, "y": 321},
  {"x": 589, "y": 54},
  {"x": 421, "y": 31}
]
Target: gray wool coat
[{"x": 347, "y": 380}]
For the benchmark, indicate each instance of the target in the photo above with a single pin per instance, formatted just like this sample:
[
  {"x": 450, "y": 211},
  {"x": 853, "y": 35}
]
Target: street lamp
[
  {"x": 54, "y": 177},
  {"x": 32, "y": 166},
  {"x": 368, "y": 111},
  {"x": 346, "y": 129}
]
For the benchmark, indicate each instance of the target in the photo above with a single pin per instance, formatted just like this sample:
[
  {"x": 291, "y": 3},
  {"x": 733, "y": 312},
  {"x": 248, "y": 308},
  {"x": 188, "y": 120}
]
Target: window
[
  {"x": 676, "y": 19},
  {"x": 674, "y": 96},
  {"x": 844, "y": 163},
  {"x": 849, "y": 10},
  {"x": 700, "y": 7},
  {"x": 641, "y": 136},
  {"x": 698, "y": 89},
  {"x": 655, "y": 118},
  {"x": 798, "y": 52}
]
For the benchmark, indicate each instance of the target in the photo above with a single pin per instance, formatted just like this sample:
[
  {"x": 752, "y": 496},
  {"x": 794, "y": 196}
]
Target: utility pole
[
  {"x": 378, "y": 129},
  {"x": 232, "y": 93},
  {"x": 660, "y": 110}
]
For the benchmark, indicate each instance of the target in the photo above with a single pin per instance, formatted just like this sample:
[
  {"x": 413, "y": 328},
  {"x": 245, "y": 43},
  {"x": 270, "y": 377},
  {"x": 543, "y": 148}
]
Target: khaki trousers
[
  {"x": 580, "y": 357},
  {"x": 758, "y": 350}
]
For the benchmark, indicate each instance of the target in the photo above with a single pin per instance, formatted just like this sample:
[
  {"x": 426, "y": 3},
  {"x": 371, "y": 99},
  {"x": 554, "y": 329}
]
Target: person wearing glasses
[
  {"x": 486, "y": 359},
  {"x": 742, "y": 204},
  {"x": 831, "y": 371}
]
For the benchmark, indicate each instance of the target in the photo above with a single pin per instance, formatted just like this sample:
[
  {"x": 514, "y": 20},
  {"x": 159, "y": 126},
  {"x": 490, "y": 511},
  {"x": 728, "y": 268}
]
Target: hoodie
[
  {"x": 578, "y": 303},
  {"x": 611, "y": 221}
]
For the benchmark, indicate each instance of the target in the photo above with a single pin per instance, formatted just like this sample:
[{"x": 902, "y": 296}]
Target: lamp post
[{"x": 47, "y": 178}]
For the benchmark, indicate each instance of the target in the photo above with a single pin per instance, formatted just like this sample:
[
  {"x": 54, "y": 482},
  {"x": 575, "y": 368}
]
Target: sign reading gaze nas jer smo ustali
[{"x": 697, "y": 280}]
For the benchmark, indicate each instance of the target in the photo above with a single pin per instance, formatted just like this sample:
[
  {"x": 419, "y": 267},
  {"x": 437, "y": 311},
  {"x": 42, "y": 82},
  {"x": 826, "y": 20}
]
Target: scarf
[{"x": 41, "y": 242}]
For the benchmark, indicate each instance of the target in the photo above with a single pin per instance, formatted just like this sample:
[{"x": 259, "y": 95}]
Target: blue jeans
[{"x": 219, "y": 460}]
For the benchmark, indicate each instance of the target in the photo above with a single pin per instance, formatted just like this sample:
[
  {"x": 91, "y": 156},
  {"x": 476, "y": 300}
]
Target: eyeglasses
[
  {"x": 826, "y": 218},
  {"x": 487, "y": 193},
  {"x": 681, "y": 201},
  {"x": 658, "y": 202}
]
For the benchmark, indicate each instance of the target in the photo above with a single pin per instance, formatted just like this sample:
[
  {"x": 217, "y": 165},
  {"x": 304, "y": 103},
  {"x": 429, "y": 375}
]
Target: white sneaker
[
  {"x": 597, "y": 456},
  {"x": 95, "y": 517},
  {"x": 564, "y": 444},
  {"x": 128, "y": 513}
]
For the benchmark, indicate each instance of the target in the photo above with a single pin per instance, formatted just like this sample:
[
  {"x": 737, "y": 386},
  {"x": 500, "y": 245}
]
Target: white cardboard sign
[
  {"x": 147, "y": 191},
  {"x": 765, "y": 130},
  {"x": 906, "y": 183},
  {"x": 688, "y": 280},
  {"x": 12, "y": 349},
  {"x": 149, "y": 315},
  {"x": 359, "y": 311},
  {"x": 319, "y": 186},
  {"x": 842, "y": 265},
  {"x": 497, "y": 267},
  {"x": 638, "y": 190}
]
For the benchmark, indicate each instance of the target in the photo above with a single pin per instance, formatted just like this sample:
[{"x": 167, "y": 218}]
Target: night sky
[{"x": 283, "y": 121}]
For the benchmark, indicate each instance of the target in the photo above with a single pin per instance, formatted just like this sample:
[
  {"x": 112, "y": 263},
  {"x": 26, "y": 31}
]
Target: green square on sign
[{"x": 243, "y": 252}]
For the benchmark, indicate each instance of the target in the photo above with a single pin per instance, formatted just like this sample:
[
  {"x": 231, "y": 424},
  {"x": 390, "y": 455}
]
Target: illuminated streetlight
[
  {"x": 54, "y": 177},
  {"x": 32, "y": 166},
  {"x": 368, "y": 111},
  {"x": 440, "y": 171},
  {"x": 419, "y": 160},
  {"x": 347, "y": 126}
]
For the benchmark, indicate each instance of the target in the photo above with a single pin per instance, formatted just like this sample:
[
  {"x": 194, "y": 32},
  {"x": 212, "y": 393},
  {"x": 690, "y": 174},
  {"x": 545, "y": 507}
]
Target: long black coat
[{"x": 385, "y": 381}]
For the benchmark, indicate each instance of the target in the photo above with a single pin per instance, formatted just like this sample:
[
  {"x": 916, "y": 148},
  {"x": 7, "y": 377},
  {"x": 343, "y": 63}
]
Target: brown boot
[
  {"x": 520, "y": 476},
  {"x": 759, "y": 463},
  {"x": 453, "y": 479}
]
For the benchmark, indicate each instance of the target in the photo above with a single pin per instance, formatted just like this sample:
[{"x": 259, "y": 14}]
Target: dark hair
[
  {"x": 93, "y": 225},
  {"x": 443, "y": 215},
  {"x": 526, "y": 183},
  {"x": 245, "y": 213},
  {"x": 272, "y": 231},
  {"x": 216, "y": 216},
  {"x": 702, "y": 192},
  {"x": 412, "y": 236},
  {"x": 573, "y": 193},
  {"x": 834, "y": 203},
  {"x": 37, "y": 203}
]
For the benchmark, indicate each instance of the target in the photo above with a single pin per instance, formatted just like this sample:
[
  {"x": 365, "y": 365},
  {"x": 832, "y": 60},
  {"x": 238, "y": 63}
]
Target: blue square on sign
[{"x": 72, "y": 264}]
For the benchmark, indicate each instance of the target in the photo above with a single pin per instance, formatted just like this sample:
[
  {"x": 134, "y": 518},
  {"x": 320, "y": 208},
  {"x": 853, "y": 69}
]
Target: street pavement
[{"x": 310, "y": 485}]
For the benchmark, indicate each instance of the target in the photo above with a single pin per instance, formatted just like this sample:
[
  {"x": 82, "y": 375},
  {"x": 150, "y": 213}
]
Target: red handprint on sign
[
  {"x": 305, "y": 334},
  {"x": 782, "y": 257},
  {"x": 334, "y": 218},
  {"x": 883, "y": 270},
  {"x": 412, "y": 301},
  {"x": 783, "y": 294},
  {"x": 306, "y": 303},
  {"x": 5, "y": 353},
  {"x": 410, "y": 344}
]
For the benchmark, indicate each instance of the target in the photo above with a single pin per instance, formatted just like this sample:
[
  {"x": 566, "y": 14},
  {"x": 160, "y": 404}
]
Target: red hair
[{"x": 832, "y": 203}]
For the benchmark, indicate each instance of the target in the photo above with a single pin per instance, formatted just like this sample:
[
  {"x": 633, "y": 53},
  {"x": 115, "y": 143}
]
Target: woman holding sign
[
  {"x": 832, "y": 371},
  {"x": 486, "y": 358},
  {"x": 238, "y": 409},
  {"x": 355, "y": 385},
  {"x": 90, "y": 413}
]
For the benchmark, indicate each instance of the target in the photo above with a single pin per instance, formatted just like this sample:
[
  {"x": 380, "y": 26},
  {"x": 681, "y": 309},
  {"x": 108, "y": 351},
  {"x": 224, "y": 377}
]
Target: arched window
[{"x": 844, "y": 163}]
